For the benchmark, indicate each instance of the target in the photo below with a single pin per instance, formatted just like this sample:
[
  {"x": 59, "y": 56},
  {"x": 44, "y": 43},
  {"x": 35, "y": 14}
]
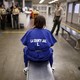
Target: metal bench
[
  {"x": 73, "y": 33},
  {"x": 39, "y": 71}
]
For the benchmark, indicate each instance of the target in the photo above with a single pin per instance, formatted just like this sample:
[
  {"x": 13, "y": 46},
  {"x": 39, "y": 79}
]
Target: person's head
[
  {"x": 3, "y": 6},
  {"x": 14, "y": 6},
  {"x": 39, "y": 22},
  {"x": 58, "y": 4}
]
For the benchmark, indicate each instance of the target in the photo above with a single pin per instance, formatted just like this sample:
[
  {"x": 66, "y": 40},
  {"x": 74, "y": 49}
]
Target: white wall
[
  {"x": 24, "y": 19},
  {"x": 42, "y": 8},
  {"x": 64, "y": 10},
  {"x": 6, "y": 3}
]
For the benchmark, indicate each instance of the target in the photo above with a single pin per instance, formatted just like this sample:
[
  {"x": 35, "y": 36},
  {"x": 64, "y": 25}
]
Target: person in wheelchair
[{"x": 38, "y": 42}]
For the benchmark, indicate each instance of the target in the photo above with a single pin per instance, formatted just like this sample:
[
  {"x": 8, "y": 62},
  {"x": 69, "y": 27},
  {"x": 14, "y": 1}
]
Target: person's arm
[
  {"x": 60, "y": 19},
  {"x": 25, "y": 38},
  {"x": 13, "y": 11},
  {"x": 0, "y": 13},
  {"x": 18, "y": 10},
  {"x": 54, "y": 15},
  {"x": 51, "y": 39},
  {"x": 0, "y": 16}
]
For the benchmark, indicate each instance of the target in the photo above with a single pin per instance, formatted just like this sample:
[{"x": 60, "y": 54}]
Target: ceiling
[
  {"x": 45, "y": 2},
  {"x": 37, "y": 1}
]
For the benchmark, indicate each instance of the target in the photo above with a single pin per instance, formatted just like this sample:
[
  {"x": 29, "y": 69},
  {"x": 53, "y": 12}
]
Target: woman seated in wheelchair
[{"x": 38, "y": 42}]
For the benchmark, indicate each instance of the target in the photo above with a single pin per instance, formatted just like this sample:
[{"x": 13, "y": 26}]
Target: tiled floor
[{"x": 66, "y": 58}]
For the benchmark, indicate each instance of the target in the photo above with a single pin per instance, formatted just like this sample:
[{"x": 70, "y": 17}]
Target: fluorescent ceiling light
[
  {"x": 52, "y": 1},
  {"x": 41, "y": 1}
]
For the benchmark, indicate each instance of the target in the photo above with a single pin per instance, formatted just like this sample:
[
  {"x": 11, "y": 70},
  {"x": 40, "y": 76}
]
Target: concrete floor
[{"x": 66, "y": 58}]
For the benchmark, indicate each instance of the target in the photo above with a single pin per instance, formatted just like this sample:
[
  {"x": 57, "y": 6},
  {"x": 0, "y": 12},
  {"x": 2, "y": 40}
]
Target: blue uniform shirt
[{"x": 38, "y": 42}]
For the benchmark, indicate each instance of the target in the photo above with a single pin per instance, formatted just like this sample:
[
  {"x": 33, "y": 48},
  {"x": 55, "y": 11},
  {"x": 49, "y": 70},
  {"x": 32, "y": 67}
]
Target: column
[{"x": 23, "y": 3}]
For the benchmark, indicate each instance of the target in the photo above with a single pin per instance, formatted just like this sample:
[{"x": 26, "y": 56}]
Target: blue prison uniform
[{"x": 38, "y": 43}]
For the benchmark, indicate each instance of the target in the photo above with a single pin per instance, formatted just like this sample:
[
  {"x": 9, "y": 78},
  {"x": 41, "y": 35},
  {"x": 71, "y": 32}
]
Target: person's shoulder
[
  {"x": 18, "y": 8},
  {"x": 30, "y": 30},
  {"x": 61, "y": 8},
  {"x": 46, "y": 30}
]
